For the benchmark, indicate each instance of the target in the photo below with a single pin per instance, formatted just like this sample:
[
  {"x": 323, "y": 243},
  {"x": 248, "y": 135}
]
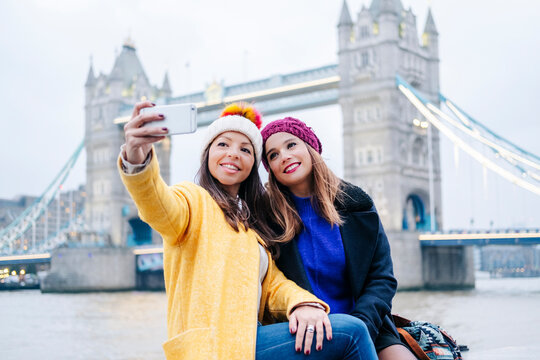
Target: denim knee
[{"x": 349, "y": 325}]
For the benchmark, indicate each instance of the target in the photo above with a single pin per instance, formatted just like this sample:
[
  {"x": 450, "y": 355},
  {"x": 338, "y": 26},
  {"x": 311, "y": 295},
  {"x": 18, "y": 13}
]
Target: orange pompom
[{"x": 244, "y": 109}]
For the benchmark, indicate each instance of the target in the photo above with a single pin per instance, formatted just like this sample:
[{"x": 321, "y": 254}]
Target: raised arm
[{"x": 164, "y": 208}]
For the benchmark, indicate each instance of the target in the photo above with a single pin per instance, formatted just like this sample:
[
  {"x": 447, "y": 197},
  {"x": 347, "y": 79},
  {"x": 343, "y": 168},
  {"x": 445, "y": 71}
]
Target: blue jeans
[{"x": 350, "y": 340}]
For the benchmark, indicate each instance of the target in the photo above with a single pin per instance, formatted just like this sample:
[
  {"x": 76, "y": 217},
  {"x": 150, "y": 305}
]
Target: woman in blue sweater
[{"x": 332, "y": 240}]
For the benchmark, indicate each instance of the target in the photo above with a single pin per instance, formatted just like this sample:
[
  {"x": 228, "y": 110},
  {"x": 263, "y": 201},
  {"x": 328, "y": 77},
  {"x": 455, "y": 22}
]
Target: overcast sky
[{"x": 489, "y": 50}]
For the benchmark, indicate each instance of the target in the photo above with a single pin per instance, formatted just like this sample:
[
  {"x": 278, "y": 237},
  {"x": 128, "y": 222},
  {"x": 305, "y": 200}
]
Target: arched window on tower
[
  {"x": 414, "y": 216},
  {"x": 365, "y": 59},
  {"x": 362, "y": 59},
  {"x": 417, "y": 152},
  {"x": 369, "y": 156},
  {"x": 358, "y": 115},
  {"x": 97, "y": 120},
  {"x": 364, "y": 31},
  {"x": 379, "y": 155},
  {"x": 403, "y": 152}
]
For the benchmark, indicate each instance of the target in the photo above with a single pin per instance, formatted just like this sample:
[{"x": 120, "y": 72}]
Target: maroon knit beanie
[{"x": 292, "y": 126}]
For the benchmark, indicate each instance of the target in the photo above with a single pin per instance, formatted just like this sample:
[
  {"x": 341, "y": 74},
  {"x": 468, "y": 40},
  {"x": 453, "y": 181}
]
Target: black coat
[{"x": 367, "y": 256}]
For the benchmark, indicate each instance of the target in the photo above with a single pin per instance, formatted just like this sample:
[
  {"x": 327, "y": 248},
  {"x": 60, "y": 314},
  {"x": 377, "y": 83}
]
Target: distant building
[
  {"x": 510, "y": 261},
  {"x": 62, "y": 211},
  {"x": 11, "y": 208}
]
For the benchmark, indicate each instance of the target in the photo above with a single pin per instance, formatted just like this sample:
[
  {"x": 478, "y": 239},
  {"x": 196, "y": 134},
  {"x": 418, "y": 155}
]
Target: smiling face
[
  {"x": 230, "y": 160},
  {"x": 290, "y": 162}
]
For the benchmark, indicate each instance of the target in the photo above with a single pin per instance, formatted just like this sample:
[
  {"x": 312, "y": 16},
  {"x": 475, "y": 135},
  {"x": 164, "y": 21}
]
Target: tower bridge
[{"x": 386, "y": 82}]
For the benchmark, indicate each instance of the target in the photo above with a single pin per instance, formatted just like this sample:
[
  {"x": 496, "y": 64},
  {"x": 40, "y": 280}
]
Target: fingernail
[
  {"x": 297, "y": 350},
  {"x": 319, "y": 348},
  {"x": 307, "y": 352},
  {"x": 164, "y": 129},
  {"x": 161, "y": 115},
  {"x": 153, "y": 104},
  {"x": 293, "y": 330},
  {"x": 330, "y": 338}
]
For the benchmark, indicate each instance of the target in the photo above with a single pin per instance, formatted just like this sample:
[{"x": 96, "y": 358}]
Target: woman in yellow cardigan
[{"x": 219, "y": 274}]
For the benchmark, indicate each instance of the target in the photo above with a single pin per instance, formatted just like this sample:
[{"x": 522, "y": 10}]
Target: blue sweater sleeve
[{"x": 375, "y": 301}]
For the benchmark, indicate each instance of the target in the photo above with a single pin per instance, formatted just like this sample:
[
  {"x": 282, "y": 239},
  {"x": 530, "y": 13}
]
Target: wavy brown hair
[
  {"x": 325, "y": 193},
  {"x": 249, "y": 211}
]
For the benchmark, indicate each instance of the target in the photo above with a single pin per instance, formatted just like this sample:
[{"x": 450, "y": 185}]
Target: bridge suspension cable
[
  {"x": 464, "y": 117},
  {"x": 518, "y": 158},
  {"x": 28, "y": 218},
  {"x": 511, "y": 157}
]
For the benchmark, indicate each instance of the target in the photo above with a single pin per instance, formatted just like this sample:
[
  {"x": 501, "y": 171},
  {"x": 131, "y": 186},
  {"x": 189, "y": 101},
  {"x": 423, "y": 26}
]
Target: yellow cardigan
[{"x": 211, "y": 272}]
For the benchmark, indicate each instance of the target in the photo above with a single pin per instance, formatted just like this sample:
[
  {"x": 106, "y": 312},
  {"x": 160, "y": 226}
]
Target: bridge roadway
[
  {"x": 273, "y": 95},
  {"x": 524, "y": 237},
  {"x": 516, "y": 237}
]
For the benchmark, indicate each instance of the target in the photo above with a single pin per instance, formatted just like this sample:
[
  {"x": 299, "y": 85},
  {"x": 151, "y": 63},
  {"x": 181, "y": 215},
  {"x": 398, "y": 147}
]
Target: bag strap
[
  {"x": 417, "y": 350},
  {"x": 400, "y": 321}
]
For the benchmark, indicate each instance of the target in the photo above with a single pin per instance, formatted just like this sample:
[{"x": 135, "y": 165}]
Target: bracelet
[{"x": 312, "y": 304}]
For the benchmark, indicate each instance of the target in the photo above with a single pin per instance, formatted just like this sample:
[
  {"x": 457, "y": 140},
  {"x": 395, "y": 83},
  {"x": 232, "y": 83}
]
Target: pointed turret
[
  {"x": 90, "y": 84},
  {"x": 90, "y": 79},
  {"x": 345, "y": 27},
  {"x": 430, "y": 42},
  {"x": 430, "y": 38},
  {"x": 345, "y": 40},
  {"x": 166, "y": 87},
  {"x": 430, "y": 27},
  {"x": 345, "y": 17}
]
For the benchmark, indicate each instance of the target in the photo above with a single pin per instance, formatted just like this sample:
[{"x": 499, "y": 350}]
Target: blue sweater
[{"x": 323, "y": 256}]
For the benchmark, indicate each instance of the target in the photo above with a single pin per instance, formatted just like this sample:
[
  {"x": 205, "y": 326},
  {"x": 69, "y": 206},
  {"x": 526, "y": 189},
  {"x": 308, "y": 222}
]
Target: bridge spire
[
  {"x": 430, "y": 27},
  {"x": 430, "y": 37},
  {"x": 90, "y": 79},
  {"x": 166, "y": 87},
  {"x": 345, "y": 28},
  {"x": 345, "y": 17}
]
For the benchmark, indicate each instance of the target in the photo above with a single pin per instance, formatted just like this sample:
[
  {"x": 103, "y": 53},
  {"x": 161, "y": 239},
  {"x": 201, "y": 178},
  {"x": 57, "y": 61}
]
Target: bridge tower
[
  {"x": 384, "y": 151},
  {"x": 385, "y": 137},
  {"x": 110, "y": 213}
]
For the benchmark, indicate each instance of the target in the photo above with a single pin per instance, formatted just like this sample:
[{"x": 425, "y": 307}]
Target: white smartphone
[{"x": 179, "y": 118}]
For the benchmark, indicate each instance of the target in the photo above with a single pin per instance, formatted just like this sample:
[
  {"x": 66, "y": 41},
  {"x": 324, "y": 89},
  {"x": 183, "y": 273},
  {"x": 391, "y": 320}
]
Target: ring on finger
[{"x": 310, "y": 328}]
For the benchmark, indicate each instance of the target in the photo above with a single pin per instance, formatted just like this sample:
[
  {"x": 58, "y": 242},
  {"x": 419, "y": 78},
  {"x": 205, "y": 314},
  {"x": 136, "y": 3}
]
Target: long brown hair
[
  {"x": 325, "y": 193},
  {"x": 253, "y": 200}
]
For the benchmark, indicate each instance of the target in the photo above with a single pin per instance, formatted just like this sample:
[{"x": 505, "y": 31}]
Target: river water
[{"x": 497, "y": 320}]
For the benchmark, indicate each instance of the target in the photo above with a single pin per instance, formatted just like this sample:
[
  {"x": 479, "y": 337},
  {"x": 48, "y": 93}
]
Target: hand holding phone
[{"x": 179, "y": 118}]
